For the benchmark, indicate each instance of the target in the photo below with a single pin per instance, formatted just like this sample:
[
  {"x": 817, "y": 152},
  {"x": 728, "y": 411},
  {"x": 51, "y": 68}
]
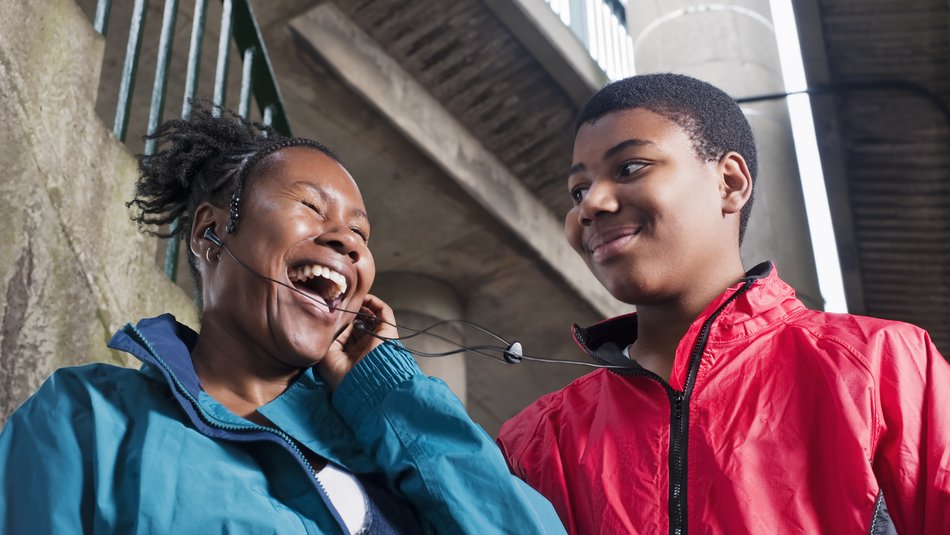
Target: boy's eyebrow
[
  {"x": 624, "y": 144},
  {"x": 576, "y": 168},
  {"x": 579, "y": 167}
]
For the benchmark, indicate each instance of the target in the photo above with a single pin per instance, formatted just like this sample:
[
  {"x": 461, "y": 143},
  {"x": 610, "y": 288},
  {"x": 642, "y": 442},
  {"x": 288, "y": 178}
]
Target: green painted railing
[{"x": 238, "y": 24}]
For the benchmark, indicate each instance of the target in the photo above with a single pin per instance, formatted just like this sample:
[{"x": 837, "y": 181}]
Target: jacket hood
[
  {"x": 164, "y": 346},
  {"x": 164, "y": 343}
]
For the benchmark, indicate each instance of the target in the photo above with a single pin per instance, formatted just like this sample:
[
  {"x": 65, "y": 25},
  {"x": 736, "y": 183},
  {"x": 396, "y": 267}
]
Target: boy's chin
[
  {"x": 623, "y": 291},
  {"x": 630, "y": 290}
]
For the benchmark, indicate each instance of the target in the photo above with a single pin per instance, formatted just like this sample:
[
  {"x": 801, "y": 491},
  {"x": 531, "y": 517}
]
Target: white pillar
[{"x": 420, "y": 301}]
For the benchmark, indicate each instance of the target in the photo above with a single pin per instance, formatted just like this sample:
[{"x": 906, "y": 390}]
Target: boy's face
[{"x": 647, "y": 216}]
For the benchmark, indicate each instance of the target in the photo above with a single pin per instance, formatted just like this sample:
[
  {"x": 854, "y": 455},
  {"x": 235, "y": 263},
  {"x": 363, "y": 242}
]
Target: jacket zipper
[
  {"x": 875, "y": 518},
  {"x": 243, "y": 428},
  {"x": 679, "y": 418}
]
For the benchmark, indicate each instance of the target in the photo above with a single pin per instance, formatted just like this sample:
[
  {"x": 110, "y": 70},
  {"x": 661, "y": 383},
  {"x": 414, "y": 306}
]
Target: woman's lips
[
  {"x": 606, "y": 245},
  {"x": 316, "y": 304}
]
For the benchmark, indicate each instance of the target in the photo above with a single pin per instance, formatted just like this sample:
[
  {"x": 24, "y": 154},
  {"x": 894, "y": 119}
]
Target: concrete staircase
[{"x": 73, "y": 268}]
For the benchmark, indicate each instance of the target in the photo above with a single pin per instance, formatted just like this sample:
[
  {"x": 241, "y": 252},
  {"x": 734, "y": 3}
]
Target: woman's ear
[
  {"x": 206, "y": 216},
  {"x": 735, "y": 187}
]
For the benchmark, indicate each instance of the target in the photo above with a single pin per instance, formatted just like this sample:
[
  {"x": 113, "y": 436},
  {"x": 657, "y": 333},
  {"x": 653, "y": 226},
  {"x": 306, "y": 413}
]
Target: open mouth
[{"x": 319, "y": 282}]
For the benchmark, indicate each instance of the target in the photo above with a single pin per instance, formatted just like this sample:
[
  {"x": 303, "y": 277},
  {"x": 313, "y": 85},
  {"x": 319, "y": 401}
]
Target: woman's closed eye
[
  {"x": 362, "y": 233},
  {"x": 313, "y": 207}
]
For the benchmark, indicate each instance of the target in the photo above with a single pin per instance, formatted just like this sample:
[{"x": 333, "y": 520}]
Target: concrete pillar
[
  {"x": 731, "y": 44},
  {"x": 420, "y": 301}
]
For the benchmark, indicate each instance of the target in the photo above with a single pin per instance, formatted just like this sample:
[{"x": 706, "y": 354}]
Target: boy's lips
[{"x": 609, "y": 243}]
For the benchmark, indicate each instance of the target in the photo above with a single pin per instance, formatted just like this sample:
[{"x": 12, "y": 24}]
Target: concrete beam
[
  {"x": 553, "y": 44},
  {"x": 358, "y": 60}
]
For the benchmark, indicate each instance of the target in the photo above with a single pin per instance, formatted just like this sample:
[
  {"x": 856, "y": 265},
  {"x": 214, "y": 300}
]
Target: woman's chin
[{"x": 304, "y": 353}]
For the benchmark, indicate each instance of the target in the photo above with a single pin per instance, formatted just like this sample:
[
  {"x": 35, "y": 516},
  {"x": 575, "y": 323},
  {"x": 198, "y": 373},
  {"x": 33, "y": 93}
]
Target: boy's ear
[
  {"x": 206, "y": 216},
  {"x": 735, "y": 186}
]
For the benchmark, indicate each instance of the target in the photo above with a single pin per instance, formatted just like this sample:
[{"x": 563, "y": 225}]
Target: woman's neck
[{"x": 236, "y": 374}]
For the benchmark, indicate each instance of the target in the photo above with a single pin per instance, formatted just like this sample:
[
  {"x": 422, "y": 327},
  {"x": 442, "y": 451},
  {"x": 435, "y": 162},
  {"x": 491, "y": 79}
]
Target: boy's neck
[{"x": 661, "y": 326}]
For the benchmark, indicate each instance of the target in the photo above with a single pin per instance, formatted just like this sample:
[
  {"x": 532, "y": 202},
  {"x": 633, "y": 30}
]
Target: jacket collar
[
  {"x": 304, "y": 411},
  {"x": 767, "y": 300}
]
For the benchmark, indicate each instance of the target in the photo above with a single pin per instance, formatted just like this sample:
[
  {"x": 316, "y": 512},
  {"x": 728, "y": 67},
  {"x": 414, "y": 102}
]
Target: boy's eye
[
  {"x": 629, "y": 168},
  {"x": 578, "y": 193}
]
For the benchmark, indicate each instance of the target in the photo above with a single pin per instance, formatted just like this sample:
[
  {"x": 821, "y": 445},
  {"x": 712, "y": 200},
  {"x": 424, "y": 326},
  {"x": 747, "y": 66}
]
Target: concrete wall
[{"x": 73, "y": 268}]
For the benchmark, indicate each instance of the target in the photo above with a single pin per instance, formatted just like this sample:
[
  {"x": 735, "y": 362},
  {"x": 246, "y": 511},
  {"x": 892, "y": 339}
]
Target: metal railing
[
  {"x": 601, "y": 26},
  {"x": 238, "y": 24}
]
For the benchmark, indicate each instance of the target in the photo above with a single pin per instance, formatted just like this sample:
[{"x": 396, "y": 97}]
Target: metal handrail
[
  {"x": 601, "y": 26},
  {"x": 618, "y": 10},
  {"x": 239, "y": 24}
]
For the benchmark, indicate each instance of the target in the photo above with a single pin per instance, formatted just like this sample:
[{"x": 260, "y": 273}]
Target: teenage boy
[{"x": 743, "y": 412}]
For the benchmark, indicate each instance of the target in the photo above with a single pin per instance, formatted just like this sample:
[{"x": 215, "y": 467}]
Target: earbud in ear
[{"x": 212, "y": 237}]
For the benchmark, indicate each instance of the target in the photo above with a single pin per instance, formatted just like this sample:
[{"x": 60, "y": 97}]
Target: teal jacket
[{"x": 104, "y": 449}]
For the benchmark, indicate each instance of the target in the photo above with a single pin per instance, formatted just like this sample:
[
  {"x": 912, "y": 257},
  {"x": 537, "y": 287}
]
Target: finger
[
  {"x": 380, "y": 309},
  {"x": 365, "y": 320},
  {"x": 384, "y": 325}
]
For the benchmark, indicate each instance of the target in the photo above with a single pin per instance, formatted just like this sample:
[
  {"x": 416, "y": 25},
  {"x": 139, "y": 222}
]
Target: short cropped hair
[{"x": 711, "y": 118}]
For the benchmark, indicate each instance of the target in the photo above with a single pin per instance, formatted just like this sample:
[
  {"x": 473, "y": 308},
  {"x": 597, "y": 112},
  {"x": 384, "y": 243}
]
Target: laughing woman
[{"x": 279, "y": 416}]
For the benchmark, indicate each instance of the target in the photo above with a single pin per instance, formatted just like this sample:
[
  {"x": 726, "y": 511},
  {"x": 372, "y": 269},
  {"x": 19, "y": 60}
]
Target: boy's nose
[{"x": 600, "y": 200}]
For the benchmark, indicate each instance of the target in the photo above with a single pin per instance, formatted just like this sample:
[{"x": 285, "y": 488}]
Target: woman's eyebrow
[
  {"x": 313, "y": 188},
  {"x": 360, "y": 213},
  {"x": 320, "y": 192}
]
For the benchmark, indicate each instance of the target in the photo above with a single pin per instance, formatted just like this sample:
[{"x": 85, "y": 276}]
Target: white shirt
[{"x": 346, "y": 494}]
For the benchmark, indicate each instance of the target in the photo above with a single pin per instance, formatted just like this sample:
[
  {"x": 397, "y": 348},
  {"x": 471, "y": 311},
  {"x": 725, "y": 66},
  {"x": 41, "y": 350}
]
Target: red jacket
[{"x": 776, "y": 419}]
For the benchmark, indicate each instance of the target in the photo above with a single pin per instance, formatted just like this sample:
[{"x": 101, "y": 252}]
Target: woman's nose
[
  {"x": 600, "y": 199},
  {"x": 343, "y": 241}
]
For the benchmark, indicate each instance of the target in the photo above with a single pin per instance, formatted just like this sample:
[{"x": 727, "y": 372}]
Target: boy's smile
[
  {"x": 606, "y": 244},
  {"x": 648, "y": 213}
]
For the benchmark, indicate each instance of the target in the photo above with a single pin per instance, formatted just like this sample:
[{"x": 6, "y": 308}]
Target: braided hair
[{"x": 206, "y": 158}]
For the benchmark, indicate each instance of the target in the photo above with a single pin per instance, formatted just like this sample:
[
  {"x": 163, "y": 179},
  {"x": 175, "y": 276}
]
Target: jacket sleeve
[
  {"x": 533, "y": 454},
  {"x": 42, "y": 488},
  {"x": 912, "y": 455},
  {"x": 419, "y": 433}
]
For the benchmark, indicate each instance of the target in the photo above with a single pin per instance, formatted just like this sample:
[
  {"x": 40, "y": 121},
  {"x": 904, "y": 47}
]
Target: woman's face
[{"x": 303, "y": 223}]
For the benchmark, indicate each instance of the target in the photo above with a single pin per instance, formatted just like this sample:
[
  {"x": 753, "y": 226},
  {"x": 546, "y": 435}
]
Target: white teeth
[{"x": 302, "y": 273}]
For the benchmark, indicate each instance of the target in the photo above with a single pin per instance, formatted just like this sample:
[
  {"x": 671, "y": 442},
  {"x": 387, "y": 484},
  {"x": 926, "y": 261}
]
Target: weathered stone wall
[{"x": 73, "y": 268}]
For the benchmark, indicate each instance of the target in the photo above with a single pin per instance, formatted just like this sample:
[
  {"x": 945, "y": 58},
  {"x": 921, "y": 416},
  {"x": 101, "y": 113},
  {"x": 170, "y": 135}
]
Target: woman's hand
[{"x": 355, "y": 342}]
